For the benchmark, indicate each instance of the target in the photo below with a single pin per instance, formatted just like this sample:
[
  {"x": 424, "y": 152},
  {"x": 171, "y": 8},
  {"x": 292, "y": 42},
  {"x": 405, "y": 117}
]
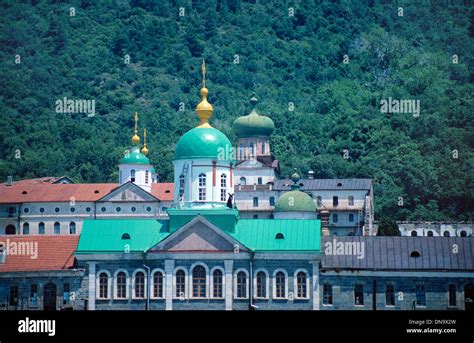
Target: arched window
[
  {"x": 121, "y": 285},
  {"x": 301, "y": 285},
  {"x": 146, "y": 176},
  {"x": 261, "y": 285},
  {"x": 223, "y": 187},
  {"x": 180, "y": 284},
  {"x": 103, "y": 286},
  {"x": 280, "y": 285},
  {"x": 463, "y": 233},
  {"x": 26, "y": 228},
  {"x": 158, "y": 284},
  {"x": 252, "y": 149},
  {"x": 259, "y": 181},
  {"x": 217, "y": 282},
  {"x": 414, "y": 234},
  {"x": 446, "y": 234},
  {"x": 241, "y": 285},
  {"x": 140, "y": 285},
  {"x": 430, "y": 233},
  {"x": 243, "y": 181},
  {"x": 41, "y": 229},
  {"x": 10, "y": 230},
  {"x": 241, "y": 151},
  {"x": 202, "y": 187},
  {"x": 199, "y": 282},
  {"x": 72, "y": 228},
  {"x": 57, "y": 228},
  {"x": 132, "y": 175}
]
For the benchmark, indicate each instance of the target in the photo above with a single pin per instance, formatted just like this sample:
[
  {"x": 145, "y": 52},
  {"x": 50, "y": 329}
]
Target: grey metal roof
[
  {"x": 393, "y": 253},
  {"x": 326, "y": 184}
]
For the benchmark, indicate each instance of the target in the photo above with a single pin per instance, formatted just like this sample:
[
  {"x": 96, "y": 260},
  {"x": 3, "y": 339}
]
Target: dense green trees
[{"x": 143, "y": 56}]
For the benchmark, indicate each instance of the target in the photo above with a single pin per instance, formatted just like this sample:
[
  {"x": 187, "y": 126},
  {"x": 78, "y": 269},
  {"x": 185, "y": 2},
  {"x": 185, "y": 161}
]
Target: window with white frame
[
  {"x": 139, "y": 288},
  {"x": 103, "y": 285},
  {"x": 132, "y": 175},
  {"x": 241, "y": 285},
  {"x": 223, "y": 187},
  {"x": 280, "y": 285},
  {"x": 158, "y": 284},
  {"x": 261, "y": 284},
  {"x": 327, "y": 294},
  {"x": 199, "y": 282},
  {"x": 121, "y": 283},
  {"x": 301, "y": 285},
  {"x": 202, "y": 187},
  {"x": 217, "y": 284},
  {"x": 180, "y": 283}
]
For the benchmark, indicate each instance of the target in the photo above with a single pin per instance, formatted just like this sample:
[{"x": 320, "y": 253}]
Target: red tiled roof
[
  {"x": 46, "y": 192},
  {"x": 28, "y": 191},
  {"x": 163, "y": 191},
  {"x": 53, "y": 253}
]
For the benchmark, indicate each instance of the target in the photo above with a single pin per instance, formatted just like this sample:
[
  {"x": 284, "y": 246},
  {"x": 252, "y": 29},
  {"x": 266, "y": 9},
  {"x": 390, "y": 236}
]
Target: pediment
[
  {"x": 129, "y": 192},
  {"x": 199, "y": 235}
]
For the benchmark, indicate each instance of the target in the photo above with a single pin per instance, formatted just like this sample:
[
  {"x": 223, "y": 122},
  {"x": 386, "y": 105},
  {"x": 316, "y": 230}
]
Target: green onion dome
[
  {"x": 295, "y": 200},
  {"x": 253, "y": 124},
  {"x": 204, "y": 143},
  {"x": 135, "y": 157}
]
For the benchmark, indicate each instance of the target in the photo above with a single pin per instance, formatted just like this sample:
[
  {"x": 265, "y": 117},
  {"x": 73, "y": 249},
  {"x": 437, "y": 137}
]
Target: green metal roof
[
  {"x": 300, "y": 235},
  {"x": 106, "y": 235},
  {"x": 135, "y": 157},
  {"x": 224, "y": 218},
  {"x": 200, "y": 143}
]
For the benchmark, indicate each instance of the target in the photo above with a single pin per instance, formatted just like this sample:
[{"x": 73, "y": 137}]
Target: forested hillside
[{"x": 293, "y": 63}]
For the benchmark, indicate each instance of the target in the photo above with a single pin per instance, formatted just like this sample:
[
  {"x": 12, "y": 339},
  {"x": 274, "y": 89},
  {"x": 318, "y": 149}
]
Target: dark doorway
[
  {"x": 469, "y": 297},
  {"x": 49, "y": 297}
]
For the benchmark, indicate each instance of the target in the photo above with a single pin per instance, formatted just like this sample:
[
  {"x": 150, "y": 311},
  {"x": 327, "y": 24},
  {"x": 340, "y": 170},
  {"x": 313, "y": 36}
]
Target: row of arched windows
[
  {"x": 200, "y": 283},
  {"x": 11, "y": 230}
]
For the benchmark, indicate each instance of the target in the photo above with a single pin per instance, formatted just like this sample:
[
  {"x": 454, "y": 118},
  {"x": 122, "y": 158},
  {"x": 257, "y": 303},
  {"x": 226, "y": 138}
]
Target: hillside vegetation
[{"x": 294, "y": 64}]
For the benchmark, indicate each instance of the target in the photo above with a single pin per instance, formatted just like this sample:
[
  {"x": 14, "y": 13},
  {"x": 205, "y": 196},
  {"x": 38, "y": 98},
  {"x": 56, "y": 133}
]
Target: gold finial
[
  {"x": 204, "y": 109},
  {"x": 144, "y": 149},
  {"x": 136, "y": 138}
]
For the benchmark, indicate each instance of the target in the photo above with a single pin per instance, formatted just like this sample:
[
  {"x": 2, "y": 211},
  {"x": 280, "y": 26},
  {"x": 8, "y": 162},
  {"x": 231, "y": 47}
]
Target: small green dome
[
  {"x": 135, "y": 157},
  {"x": 253, "y": 125},
  {"x": 295, "y": 200},
  {"x": 204, "y": 142}
]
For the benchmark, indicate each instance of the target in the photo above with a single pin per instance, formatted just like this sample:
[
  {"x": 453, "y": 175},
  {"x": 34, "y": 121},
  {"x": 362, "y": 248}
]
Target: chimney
[
  {"x": 324, "y": 222},
  {"x": 311, "y": 175},
  {"x": 9, "y": 180}
]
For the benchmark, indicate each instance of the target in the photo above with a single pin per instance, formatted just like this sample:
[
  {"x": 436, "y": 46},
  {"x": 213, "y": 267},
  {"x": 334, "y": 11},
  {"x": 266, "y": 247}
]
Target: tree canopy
[{"x": 319, "y": 69}]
